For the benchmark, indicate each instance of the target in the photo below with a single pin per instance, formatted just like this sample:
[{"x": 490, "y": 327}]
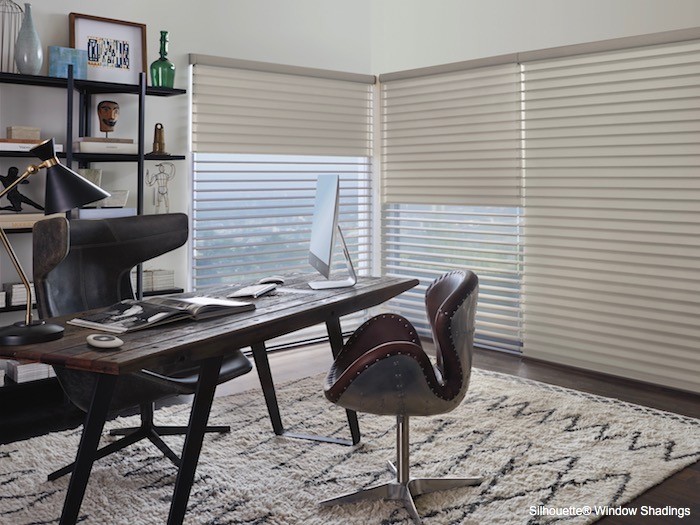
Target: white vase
[{"x": 29, "y": 55}]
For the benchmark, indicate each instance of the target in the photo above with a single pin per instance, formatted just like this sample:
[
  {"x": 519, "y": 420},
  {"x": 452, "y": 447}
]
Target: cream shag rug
[{"x": 538, "y": 446}]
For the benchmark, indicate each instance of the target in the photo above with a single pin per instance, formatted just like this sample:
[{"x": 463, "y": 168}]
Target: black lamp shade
[{"x": 65, "y": 189}]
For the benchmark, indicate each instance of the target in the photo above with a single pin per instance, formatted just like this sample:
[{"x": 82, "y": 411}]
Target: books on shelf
[
  {"x": 155, "y": 280},
  {"x": 127, "y": 148},
  {"x": 23, "y": 145},
  {"x": 131, "y": 315},
  {"x": 16, "y": 294},
  {"x": 23, "y": 220},
  {"x": 102, "y": 213}
]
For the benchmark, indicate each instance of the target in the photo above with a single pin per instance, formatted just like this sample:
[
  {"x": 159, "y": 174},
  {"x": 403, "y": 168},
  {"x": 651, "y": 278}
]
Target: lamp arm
[
  {"x": 8, "y": 247},
  {"x": 20, "y": 272}
]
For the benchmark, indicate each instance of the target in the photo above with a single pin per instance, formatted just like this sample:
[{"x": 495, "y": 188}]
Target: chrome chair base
[{"x": 405, "y": 488}]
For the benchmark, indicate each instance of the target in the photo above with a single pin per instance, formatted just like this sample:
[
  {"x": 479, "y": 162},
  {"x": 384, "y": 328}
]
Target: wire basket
[{"x": 10, "y": 23}]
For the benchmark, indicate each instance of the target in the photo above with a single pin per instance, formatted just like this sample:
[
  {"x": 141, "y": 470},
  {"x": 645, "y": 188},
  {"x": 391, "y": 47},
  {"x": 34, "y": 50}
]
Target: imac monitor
[{"x": 323, "y": 228}]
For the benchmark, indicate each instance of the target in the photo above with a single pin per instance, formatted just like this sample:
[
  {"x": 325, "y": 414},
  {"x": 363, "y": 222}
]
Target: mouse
[{"x": 276, "y": 279}]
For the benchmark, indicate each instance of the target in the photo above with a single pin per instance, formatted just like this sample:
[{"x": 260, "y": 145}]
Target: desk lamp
[{"x": 65, "y": 190}]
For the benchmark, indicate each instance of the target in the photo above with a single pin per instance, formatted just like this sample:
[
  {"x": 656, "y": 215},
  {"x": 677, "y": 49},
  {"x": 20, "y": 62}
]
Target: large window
[
  {"x": 595, "y": 262},
  {"x": 261, "y": 135}
]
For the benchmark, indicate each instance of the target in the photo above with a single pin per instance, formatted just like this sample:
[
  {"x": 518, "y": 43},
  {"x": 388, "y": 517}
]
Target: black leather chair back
[{"x": 87, "y": 264}]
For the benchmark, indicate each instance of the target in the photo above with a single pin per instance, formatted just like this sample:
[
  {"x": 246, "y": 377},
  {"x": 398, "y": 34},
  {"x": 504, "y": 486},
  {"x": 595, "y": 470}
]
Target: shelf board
[
  {"x": 15, "y": 308},
  {"x": 150, "y": 156},
  {"x": 121, "y": 157},
  {"x": 20, "y": 154},
  {"x": 166, "y": 291},
  {"x": 87, "y": 86},
  {"x": 33, "y": 80}
]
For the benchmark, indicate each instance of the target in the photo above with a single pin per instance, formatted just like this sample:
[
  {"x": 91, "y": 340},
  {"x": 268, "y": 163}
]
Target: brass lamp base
[{"x": 22, "y": 333}]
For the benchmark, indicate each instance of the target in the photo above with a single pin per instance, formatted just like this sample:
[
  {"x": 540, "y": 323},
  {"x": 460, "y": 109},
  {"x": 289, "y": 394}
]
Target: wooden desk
[{"x": 206, "y": 341}]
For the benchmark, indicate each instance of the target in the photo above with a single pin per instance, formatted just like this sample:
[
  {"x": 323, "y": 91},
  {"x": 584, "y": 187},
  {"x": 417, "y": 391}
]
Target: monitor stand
[{"x": 342, "y": 283}]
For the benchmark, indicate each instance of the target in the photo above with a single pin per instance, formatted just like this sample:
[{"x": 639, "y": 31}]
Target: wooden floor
[{"x": 32, "y": 415}]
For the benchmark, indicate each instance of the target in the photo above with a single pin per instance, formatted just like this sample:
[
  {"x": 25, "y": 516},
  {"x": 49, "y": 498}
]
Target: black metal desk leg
[
  {"x": 262, "y": 365},
  {"x": 92, "y": 430},
  {"x": 201, "y": 406},
  {"x": 335, "y": 336}
]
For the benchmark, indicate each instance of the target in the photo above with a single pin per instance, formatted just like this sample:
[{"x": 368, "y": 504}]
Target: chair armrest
[
  {"x": 378, "y": 330},
  {"x": 339, "y": 380}
]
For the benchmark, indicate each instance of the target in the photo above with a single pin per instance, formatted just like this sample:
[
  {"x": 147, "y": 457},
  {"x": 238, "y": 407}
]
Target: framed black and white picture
[{"x": 116, "y": 50}]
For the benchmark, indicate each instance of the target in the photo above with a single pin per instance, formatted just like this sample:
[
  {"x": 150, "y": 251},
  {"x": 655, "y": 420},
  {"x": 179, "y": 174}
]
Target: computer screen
[{"x": 325, "y": 221}]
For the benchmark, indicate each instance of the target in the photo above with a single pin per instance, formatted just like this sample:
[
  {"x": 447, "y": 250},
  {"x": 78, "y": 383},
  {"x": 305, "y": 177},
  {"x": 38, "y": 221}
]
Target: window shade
[
  {"x": 451, "y": 189},
  {"x": 242, "y": 110},
  {"x": 452, "y": 138},
  {"x": 612, "y": 212}
]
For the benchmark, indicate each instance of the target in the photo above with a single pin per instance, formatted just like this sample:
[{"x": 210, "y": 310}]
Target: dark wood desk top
[{"x": 276, "y": 314}]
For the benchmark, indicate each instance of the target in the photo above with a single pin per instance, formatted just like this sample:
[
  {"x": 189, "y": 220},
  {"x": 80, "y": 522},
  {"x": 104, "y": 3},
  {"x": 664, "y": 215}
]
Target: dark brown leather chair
[
  {"x": 85, "y": 264},
  {"x": 383, "y": 369}
]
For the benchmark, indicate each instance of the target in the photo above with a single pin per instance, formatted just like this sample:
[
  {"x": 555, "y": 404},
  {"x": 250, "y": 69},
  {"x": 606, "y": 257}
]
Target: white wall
[{"x": 408, "y": 34}]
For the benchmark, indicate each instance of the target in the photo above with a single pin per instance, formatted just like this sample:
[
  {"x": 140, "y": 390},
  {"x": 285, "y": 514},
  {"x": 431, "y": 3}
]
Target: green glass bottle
[{"x": 163, "y": 70}]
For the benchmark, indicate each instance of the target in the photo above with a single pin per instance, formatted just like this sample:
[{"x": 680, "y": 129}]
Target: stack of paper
[
  {"x": 9, "y": 221},
  {"x": 3, "y": 368},
  {"x": 24, "y": 371}
]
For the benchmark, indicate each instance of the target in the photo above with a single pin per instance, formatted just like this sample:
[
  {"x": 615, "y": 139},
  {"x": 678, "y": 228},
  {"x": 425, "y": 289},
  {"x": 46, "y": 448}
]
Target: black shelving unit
[{"x": 86, "y": 89}]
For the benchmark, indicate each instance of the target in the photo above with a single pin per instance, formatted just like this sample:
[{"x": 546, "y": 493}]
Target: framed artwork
[{"x": 116, "y": 50}]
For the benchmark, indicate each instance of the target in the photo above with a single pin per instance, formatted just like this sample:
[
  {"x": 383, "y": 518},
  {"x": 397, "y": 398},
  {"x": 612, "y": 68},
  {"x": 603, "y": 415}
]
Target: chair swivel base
[{"x": 405, "y": 492}]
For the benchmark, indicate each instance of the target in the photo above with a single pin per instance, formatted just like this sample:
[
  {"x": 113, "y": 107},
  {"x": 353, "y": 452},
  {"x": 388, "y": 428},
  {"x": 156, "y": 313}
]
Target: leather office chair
[
  {"x": 85, "y": 264},
  {"x": 382, "y": 369}
]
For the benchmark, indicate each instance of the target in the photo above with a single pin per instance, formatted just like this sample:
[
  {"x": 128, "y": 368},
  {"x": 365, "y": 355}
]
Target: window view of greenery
[
  {"x": 424, "y": 241},
  {"x": 252, "y": 214}
]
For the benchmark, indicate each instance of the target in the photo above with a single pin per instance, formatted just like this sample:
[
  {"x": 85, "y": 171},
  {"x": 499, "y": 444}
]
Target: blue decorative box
[{"x": 61, "y": 57}]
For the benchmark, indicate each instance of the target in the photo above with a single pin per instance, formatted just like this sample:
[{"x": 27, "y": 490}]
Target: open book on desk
[{"x": 130, "y": 315}]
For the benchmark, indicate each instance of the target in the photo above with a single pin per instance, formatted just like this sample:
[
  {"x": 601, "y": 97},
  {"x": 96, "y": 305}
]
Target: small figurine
[
  {"x": 161, "y": 180},
  {"x": 14, "y": 196},
  {"x": 108, "y": 112}
]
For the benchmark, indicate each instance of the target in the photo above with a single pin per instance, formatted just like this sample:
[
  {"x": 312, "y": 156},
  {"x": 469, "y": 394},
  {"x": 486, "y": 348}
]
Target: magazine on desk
[{"x": 130, "y": 315}]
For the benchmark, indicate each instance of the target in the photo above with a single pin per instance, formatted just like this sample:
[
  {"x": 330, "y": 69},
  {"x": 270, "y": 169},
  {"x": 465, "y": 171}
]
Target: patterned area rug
[{"x": 541, "y": 449}]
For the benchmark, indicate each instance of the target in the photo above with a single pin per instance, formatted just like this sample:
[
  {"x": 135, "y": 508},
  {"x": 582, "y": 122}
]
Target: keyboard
[{"x": 254, "y": 290}]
